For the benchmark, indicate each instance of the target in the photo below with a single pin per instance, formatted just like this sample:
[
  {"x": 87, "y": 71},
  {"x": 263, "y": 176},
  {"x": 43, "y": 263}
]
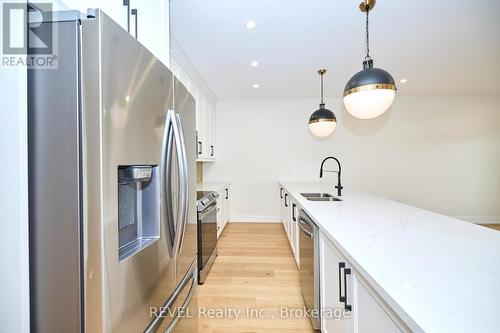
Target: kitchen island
[{"x": 428, "y": 272}]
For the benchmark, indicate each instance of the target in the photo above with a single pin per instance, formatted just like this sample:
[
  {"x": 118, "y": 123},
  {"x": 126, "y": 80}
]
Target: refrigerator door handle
[
  {"x": 165, "y": 179},
  {"x": 185, "y": 304},
  {"x": 167, "y": 307},
  {"x": 182, "y": 208}
]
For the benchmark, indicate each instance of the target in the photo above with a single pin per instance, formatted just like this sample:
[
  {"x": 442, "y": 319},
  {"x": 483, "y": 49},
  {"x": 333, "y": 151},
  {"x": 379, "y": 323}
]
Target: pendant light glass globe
[
  {"x": 322, "y": 122},
  {"x": 371, "y": 91}
]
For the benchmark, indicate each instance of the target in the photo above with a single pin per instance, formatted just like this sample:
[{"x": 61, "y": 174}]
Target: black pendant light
[
  {"x": 322, "y": 122},
  {"x": 371, "y": 91}
]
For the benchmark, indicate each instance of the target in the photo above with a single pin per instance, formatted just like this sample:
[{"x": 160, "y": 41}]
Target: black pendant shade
[
  {"x": 369, "y": 78},
  {"x": 322, "y": 114}
]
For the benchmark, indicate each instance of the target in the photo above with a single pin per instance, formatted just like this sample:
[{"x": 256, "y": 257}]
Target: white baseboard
[
  {"x": 480, "y": 219},
  {"x": 255, "y": 218}
]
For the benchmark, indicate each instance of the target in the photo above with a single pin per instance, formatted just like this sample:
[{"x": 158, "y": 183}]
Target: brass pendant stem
[
  {"x": 322, "y": 72},
  {"x": 367, "y": 5}
]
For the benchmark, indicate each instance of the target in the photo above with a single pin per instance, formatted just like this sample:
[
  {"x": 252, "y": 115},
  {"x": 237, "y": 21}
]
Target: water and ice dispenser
[{"x": 138, "y": 208}]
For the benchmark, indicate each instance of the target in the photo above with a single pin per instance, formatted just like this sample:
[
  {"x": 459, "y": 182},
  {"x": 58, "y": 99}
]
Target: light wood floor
[
  {"x": 255, "y": 269},
  {"x": 492, "y": 226}
]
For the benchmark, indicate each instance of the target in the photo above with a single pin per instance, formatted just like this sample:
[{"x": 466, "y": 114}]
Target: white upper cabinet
[
  {"x": 210, "y": 130},
  {"x": 205, "y": 113},
  {"x": 151, "y": 18},
  {"x": 112, "y": 8},
  {"x": 201, "y": 113},
  {"x": 183, "y": 68}
]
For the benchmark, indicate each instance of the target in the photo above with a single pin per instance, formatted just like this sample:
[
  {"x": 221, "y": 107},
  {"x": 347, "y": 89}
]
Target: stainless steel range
[{"x": 207, "y": 232}]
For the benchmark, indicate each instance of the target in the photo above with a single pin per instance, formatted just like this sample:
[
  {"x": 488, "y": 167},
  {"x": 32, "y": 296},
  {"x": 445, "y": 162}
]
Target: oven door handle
[{"x": 207, "y": 210}]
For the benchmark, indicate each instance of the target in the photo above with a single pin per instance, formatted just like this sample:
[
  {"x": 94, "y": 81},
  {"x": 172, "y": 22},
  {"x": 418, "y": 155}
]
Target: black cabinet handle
[
  {"x": 227, "y": 194},
  {"x": 293, "y": 212},
  {"x": 286, "y": 196},
  {"x": 212, "y": 148},
  {"x": 127, "y": 3},
  {"x": 341, "y": 266},
  {"x": 347, "y": 271},
  {"x": 134, "y": 12},
  {"x": 200, "y": 148},
  {"x": 281, "y": 193}
]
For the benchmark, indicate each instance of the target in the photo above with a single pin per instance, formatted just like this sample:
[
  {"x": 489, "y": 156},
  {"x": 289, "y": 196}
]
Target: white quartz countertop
[
  {"x": 212, "y": 186},
  {"x": 439, "y": 274}
]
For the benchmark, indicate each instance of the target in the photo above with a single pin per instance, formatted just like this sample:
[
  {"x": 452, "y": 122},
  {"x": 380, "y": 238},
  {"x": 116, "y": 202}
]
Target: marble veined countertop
[{"x": 439, "y": 274}]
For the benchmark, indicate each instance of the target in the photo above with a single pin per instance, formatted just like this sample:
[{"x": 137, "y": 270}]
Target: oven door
[{"x": 207, "y": 239}]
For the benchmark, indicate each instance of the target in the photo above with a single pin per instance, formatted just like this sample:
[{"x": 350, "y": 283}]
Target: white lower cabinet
[
  {"x": 285, "y": 210},
  {"x": 331, "y": 291},
  {"x": 355, "y": 305},
  {"x": 223, "y": 208},
  {"x": 293, "y": 230},
  {"x": 282, "y": 205},
  {"x": 289, "y": 215},
  {"x": 370, "y": 313}
]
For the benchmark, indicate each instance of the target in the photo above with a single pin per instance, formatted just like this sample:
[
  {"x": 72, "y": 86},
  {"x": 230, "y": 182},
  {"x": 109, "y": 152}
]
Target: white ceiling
[{"x": 441, "y": 47}]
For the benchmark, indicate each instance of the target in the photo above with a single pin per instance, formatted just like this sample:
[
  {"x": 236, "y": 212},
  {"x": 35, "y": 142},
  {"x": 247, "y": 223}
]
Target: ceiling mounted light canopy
[
  {"x": 251, "y": 24},
  {"x": 322, "y": 122},
  {"x": 371, "y": 91}
]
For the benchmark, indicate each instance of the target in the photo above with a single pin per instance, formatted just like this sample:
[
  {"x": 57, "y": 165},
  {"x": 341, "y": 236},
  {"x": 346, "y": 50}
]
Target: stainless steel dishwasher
[{"x": 309, "y": 265}]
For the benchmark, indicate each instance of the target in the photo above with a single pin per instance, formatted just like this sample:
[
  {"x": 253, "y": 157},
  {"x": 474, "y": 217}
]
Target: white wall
[
  {"x": 14, "y": 265},
  {"x": 441, "y": 153}
]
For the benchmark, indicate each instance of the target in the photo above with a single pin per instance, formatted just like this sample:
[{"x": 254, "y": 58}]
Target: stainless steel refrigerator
[{"x": 112, "y": 149}]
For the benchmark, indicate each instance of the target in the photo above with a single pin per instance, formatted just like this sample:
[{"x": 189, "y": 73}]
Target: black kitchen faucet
[{"x": 339, "y": 186}]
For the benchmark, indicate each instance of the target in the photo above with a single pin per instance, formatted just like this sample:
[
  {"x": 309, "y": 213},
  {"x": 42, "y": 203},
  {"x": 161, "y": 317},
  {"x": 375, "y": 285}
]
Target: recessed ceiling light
[
  {"x": 254, "y": 63},
  {"x": 403, "y": 81},
  {"x": 251, "y": 24},
  {"x": 255, "y": 85}
]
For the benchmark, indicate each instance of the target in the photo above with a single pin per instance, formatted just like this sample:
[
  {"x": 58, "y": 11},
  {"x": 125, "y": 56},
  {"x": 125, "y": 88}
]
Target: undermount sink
[
  {"x": 316, "y": 195},
  {"x": 324, "y": 199},
  {"x": 320, "y": 197}
]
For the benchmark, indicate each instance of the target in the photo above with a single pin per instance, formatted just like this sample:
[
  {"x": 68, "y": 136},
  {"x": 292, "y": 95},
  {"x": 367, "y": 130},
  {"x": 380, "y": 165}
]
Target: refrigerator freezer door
[
  {"x": 184, "y": 106},
  {"x": 126, "y": 97},
  {"x": 180, "y": 313}
]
